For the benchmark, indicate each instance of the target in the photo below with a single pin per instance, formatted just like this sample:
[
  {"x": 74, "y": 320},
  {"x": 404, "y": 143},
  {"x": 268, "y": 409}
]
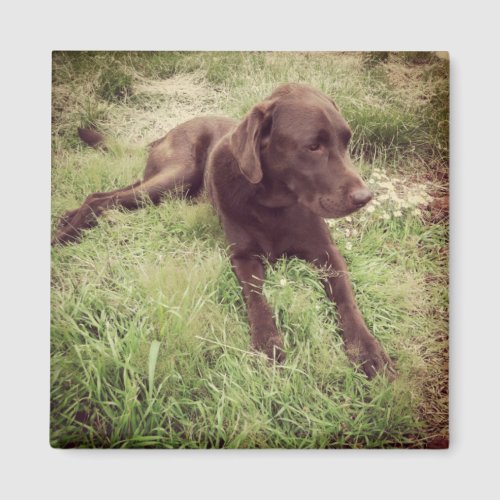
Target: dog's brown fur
[{"x": 272, "y": 178}]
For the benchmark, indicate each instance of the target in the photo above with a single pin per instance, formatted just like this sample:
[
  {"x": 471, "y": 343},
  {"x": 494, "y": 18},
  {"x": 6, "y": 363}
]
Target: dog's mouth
[
  {"x": 333, "y": 205},
  {"x": 329, "y": 208}
]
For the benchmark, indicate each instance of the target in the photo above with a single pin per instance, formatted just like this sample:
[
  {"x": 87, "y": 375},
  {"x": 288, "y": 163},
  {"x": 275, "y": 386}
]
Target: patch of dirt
[
  {"x": 439, "y": 209},
  {"x": 403, "y": 76},
  {"x": 159, "y": 105}
]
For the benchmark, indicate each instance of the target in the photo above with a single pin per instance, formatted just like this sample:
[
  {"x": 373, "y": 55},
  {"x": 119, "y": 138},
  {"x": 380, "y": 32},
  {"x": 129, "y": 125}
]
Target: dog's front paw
[
  {"x": 271, "y": 344},
  {"x": 365, "y": 351}
]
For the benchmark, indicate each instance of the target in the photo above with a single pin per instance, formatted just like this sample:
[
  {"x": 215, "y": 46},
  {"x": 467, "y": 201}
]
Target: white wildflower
[
  {"x": 416, "y": 199},
  {"x": 387, "y": 185},
  {"x": 283, "y": 282},
  {"x": 348, "y": 245},
  {"x": 394, "y": 197},
  {"x": 397, "y": 213},
  {"x": 370, "y": 208},
  {"x": 386, "y": 216},
  {"x": 348, "y": 219}
]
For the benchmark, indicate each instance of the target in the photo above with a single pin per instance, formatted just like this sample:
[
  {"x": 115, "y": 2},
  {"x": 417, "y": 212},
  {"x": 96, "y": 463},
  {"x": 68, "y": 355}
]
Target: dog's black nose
[{"x": 361, "y": 196}]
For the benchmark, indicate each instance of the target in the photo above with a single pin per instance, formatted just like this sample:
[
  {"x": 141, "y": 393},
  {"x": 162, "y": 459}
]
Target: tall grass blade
[{"x": 153, "y": 357}]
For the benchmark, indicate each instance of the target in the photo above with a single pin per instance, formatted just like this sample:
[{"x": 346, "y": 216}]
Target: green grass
[{"x": 149, "y": 339}]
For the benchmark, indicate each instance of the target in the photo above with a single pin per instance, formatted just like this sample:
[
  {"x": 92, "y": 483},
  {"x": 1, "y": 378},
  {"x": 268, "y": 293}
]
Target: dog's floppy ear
[{"x": 246, "y": 141}]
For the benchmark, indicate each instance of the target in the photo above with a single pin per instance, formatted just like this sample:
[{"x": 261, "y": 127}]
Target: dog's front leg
[
  {"x": 361, "y": 346},
  {"x": 265, "y": 335}
]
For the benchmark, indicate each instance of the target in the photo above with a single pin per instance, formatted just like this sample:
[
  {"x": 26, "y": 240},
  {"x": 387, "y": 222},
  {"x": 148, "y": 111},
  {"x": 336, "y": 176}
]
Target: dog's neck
[{"x": 274, "y": 194}]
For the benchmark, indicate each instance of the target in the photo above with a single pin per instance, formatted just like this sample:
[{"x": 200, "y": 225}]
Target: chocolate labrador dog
[{"x": 272, "y": 179}]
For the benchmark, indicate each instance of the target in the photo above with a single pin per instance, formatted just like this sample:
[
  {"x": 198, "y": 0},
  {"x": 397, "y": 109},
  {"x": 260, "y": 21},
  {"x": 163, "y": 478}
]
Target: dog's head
[{"x": 298, "y": 137}]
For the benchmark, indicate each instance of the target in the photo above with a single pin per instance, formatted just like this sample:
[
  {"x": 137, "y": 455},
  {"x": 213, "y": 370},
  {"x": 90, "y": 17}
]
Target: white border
[{"x": 32, "y": 32}]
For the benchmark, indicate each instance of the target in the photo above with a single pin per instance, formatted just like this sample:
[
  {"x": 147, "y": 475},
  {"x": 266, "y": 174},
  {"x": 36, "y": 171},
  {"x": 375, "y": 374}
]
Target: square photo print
[{"x": 249, "y": 250}]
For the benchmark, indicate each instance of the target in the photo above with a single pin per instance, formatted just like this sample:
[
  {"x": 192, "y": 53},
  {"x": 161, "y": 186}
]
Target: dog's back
[{"x": 190, "y": 142}]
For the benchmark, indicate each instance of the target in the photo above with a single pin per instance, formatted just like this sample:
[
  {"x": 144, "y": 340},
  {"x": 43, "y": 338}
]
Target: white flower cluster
[{"x": 394, "y": 197}]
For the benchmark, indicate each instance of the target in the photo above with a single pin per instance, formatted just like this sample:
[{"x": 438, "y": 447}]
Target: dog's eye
[{"x": 313, "y": 147}]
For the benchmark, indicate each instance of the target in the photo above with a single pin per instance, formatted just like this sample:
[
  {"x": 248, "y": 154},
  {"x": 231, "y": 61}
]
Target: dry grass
[{"x": 159, "y": 105}]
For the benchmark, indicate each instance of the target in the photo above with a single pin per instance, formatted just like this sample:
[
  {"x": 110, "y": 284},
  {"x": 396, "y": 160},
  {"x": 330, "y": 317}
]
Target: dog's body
[{"x": 272, "y": 178}]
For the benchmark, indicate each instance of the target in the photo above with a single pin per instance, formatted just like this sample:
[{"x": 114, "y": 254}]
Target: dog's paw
[
  {"x": 366, "y": 352},
  {"x": 64, "y": 236},
  {"x": 83, "y": 218},
  {"x": 271, "y": 345}
]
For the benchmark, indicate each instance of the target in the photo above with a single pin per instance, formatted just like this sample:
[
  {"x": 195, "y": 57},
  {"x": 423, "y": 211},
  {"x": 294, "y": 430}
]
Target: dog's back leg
[
  {"x": 67, "y": 216},
  {"x": 179, "y": 178}
]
